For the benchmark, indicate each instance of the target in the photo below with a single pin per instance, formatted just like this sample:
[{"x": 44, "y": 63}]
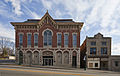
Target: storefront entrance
[{"x": 47, "y": 60}]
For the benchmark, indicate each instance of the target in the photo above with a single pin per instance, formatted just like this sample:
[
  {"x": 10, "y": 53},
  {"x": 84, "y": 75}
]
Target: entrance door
[
  {"x": 74, "y": 59},
  {"x": 20, "y": 57},
  {"x": 48, "y": 60}
]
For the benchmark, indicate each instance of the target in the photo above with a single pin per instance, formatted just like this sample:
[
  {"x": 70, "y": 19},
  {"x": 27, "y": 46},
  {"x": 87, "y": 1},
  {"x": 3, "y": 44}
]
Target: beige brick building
[{"x": 95, "y": 51}]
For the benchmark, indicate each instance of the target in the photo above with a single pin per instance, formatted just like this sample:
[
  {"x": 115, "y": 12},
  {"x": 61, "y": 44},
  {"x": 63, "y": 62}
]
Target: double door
[{"x": 48, "y": 60}]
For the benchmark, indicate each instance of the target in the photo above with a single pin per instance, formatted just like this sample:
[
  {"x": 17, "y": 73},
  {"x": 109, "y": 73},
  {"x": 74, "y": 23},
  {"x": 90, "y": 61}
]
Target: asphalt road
[{"x": 6, "y": 70}]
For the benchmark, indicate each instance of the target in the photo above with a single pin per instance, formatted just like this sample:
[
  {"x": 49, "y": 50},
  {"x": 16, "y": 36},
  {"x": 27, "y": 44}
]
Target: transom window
[
  {"x": 74, "y": 40},
  {"x": 47, "y": 38},
  {"x": 29, "y": 40},
  {"x": 65, "y": 39},
  {"x": 35, "y": 39},
  {"x": 20, "y": 39},
  {"x": 92, "y": 50},
  {"x": 59, "y": 39}
]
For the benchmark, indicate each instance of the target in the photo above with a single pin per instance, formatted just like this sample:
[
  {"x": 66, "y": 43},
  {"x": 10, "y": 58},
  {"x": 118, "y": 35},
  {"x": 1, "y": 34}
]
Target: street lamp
[{"x": 85, "y": 60}]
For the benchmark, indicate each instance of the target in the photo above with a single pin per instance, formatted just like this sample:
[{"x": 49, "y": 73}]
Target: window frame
[
  {"x": 35, "y": 40},
  {"x": 29, "y": 40},
  {"x": 93, "y": 50},
  {"x": 58, "y": 40},
  {"x": 74, "y": 40},
  {"x": 66, "y": 40}
]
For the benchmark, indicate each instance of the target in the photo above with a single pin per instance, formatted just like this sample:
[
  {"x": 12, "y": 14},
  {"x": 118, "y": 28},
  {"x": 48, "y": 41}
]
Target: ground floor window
[
  {"x": 96, "y": 64},
  {"x": 90, "y": 65}
]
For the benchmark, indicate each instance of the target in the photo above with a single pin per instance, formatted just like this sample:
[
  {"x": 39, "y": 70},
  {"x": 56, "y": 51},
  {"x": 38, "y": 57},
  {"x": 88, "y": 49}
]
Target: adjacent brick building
[{"x": 48, "y": 42}]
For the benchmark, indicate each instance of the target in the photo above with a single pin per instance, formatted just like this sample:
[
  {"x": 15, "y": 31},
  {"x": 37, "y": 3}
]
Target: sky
[{"x": 98, "y": 16}]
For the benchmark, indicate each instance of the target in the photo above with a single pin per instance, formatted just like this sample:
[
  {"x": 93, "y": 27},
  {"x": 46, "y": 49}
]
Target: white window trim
[{"x": 45, "y": 30}]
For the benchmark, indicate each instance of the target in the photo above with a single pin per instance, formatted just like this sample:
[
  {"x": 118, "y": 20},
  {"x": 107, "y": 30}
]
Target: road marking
[{"x": 48, "y": 72}]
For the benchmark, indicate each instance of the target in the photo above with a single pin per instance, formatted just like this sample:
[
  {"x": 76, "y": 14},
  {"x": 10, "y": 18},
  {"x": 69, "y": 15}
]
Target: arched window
[{"x": 47, "y": 38}]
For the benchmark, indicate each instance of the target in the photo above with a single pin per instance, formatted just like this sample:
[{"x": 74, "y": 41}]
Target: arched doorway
[
  {"x": 36, "y": 57},
  {"x": 20, "y": 57},
  {"x": 59, "y": 57},
  {"x": 47, "y": 58},
  {"x": 66, "y": 57},
  {"x": 29, "y": 57},
  {"x": 74, "y": 59}
]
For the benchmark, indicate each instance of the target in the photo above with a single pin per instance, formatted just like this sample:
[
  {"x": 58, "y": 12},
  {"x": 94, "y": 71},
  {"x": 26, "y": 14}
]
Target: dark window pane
[
  {"x": 103, "y": 51},
  {"x": 104, "y": 43},
  {"x": 116, "y": 63},
  {"x": 96, "y": 64},
  {"x": 93, "y": 43},
  {"x": 74, "y": 40},
  {"x": 47, "y": 38},
  {"x": 92, "y": 50}
]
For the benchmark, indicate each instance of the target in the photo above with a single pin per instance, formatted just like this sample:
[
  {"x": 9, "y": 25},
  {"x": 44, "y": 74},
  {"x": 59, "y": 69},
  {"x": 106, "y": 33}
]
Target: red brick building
[{"x": 48, "y": 42}]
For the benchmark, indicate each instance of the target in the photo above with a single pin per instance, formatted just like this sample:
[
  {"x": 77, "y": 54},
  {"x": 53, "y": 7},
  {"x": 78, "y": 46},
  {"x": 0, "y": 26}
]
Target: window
[
  {"x": 104, "y": 43},
  {"x": 103, "y": 50},
  {"x": 47, "y": 38},
  {"x": 92, "y": 50},
  {"x": 59, "y": 39},
  {"x": 90, "y": 65},
  {"x": 29, "y": 39},
  {"x": 96, "y": 64},
  {"x": 74, "y": 40},
  {"x": 93, "y": 43},
  {"x": 20, "y": 39},
  {"x": 116, "y": 63},
  {"x": 65, "y": 39},
  {"x": 35, "y": 39}
]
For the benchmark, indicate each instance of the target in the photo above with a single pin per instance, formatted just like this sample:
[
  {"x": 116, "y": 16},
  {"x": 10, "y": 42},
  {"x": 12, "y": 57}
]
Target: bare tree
[{"x": 6, "y": 45}]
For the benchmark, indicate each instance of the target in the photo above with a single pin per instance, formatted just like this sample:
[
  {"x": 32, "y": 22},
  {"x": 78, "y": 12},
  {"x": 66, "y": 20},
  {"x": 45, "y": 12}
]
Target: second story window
[
  {"x": 104, "y": 43},
  {"x": 103, "y": 50},
  {"x": 74, "y": 40},
  {"x": 93, "y": 43},
  {"x": 20, "y": 39},
  {"x": 29, "y": 40},
  {"x": 35, "y": 39},
  {"x": 59, "y": 39},
  {"x": 65, "y": 39},
  {"x": 92, "y": 50},
  {"x": 47, "y": 38}
]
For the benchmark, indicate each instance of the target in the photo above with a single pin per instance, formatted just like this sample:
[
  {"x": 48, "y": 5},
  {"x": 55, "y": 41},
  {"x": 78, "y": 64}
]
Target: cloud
[
  {"x": 47, "y": 4},
  {"x": 99, "y": 15},
  {"x": 30, "y": 13},
  {"x": 7, "y": 32},
  {"x": 116, "y": 49},
  {"x": 16, "y": 6}
]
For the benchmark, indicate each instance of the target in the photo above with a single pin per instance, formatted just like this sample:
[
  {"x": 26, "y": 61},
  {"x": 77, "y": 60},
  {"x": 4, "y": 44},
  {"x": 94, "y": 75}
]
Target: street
[{"x": 8, "y": 70}]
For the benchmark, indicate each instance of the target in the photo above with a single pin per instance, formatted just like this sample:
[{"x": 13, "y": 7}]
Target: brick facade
[{"x": 34, "y": 55}]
